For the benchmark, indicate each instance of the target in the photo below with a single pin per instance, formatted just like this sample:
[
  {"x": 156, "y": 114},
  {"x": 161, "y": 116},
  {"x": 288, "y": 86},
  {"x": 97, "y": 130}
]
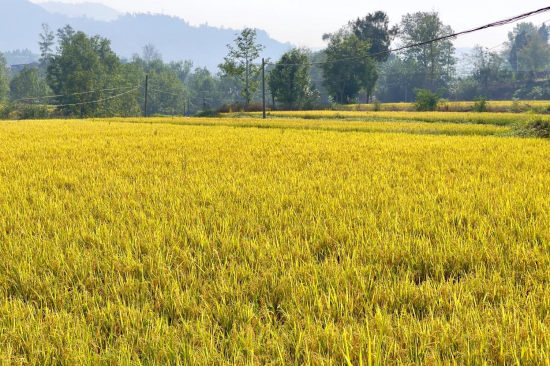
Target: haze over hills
[
  {"x": 94, "y": 11},
  {"x": 174, "y": 37}
]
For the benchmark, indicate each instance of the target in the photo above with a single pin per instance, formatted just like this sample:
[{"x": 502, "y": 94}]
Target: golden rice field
[
  {"x": 327, "y": 124},
  {"x": 462, "y": 106},
  {"x": 209, "y": 242},
  {"x": 499, "y": 119}
]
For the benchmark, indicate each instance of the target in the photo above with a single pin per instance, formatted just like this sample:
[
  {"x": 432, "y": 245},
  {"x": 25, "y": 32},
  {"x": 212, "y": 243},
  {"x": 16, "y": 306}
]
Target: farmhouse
[{"x": 15, "y": 69}]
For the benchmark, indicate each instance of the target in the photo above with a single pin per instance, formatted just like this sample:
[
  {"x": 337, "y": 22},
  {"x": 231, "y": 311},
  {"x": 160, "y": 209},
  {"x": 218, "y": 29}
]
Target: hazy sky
[{"x": 303, "y": 22}]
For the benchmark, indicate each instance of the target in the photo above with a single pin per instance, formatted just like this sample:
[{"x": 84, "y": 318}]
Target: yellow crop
[
  {"x": 501, "y": 119},
  {"x": 492, "y": 106},
  {"x": 324, "y": 124},
  {"x": 190, "y": 241}
]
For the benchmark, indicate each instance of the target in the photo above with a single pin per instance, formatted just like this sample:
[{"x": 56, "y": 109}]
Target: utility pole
[
  {"x": 263, "y": 87},
  {"x": 246, "y": 82},
  {"x": 432, "y": 74},
  {"x": 146, "y": 94}
]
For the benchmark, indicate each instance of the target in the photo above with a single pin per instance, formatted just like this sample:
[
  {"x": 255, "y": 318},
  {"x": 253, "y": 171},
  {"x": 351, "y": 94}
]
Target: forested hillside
[{"x": 174, "y": 37}]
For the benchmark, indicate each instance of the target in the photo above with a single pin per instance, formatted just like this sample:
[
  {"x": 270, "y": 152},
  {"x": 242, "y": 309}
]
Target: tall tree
[
  {"x": 28, "y": 84},
  {"x": 151, "y": 53},
  {"x": 47, "y": 40},
  {"x": 398, "y": 79},
  {"x": 4, "y": 82},
  {"x": 166, "y": 90},
  {"x": 348, "y": 69},
  {"x": 435, "y": 60},
  {"x": 65, "y": 33},
  {"x": 544, "y": 33},
  {"x": 518, "y": 38},
  {"x": 535, "y": 56},
  {"x": 182, "y": 68},
  {"x": 289, "y": 85},
  {"x": 202, "y": 87},
  {"x": 374, "y": 29},
  {"x": 82, "y": 71},
  {"x": 487, "y": 68},
  {"x": 239, "y": 63}
]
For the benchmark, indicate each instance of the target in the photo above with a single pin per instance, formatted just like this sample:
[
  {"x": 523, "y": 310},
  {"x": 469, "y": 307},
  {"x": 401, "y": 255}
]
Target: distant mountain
[
  {"x": 94, "y": 11},
  {"x": 21, "y": 24},
  {"x": 174, "y": 37},
  {"x": 19, "y": 57}
]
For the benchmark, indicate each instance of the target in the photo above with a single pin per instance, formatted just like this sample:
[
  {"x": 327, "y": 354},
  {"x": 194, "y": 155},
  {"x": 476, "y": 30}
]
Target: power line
[
  {"x": 95, "y": 101},
  {"x": 534, "y": 28},
  {"x": 424, "y": 43},
  {"x": 212, "y": 98},
  {"x": 168, "y": 93},
  {"x": 72, "y": 94},
  {"x": 181, "y": 94},
  {"x": 469, "y": 54}
]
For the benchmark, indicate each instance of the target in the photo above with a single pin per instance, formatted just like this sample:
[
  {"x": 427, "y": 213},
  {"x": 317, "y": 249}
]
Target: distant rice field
[
  {"x": 498, "y": 119},
  {"x": 508, "y": 106}
]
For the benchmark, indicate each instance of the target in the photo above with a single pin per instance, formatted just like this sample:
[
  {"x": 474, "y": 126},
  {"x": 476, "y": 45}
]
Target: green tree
[
  {"x": 46, "y": 46},
  {"x": 544, "y": 33},
  {"x": 150, "y": 53},
  {"x": 488, "y": 67},
  {"x": 426, "y": 100},
  {"x": 65, "y": 33},
  {"x": 28, "y": 85},
  {"x": 374, "y": 29},
  {"x": 239, "y": 63},
  {"x": 182, "y": 69},
  {"x": 228, "y": 90},
  {"x": 84, "y": 73},
  {"x": 518, "y": 38},
  {"x": 435, "y": 60},
  {"x": 202, "y": 88},
  {"x": 398, "y": 78},
  {"x": 535, "y": 56},
  {"x": 4, "y": 82},
  {"x": 316, "y": 76},
  {"x": 289, "y": 85},
  {"x": 166, "y": 91},
  {"x": 348, "y": 69}
]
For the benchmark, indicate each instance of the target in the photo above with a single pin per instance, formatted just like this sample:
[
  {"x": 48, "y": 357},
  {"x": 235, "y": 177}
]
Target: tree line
[{"x": 80, "y": 75}]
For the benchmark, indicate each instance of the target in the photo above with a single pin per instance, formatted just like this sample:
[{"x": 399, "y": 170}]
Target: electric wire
[
  {"x": 424, "y": 43},
  {"x": 94, "y": 101},
  {"x": 71, "y": 94}
]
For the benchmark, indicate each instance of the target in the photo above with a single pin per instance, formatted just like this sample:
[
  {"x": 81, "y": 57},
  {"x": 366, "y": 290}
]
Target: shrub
[
  {"x": 226, "y": 108},
  {"x": 14, "y": 115},
  {"x": 24, "y": 111},
  {"x": 480, "y": 104},
  {"x": 537, "y": 127},
  {"x": 254, "y": 107},
  {"x": 426, "y": 100},
  {"x": 377, "y": 107},
  {"x": 516, "y": 106},
  {"x": 238, "y": 107},
  {"x": 312, "y": 106},
  {"x": 34, "y": 112},
  {"x": 209, "y": 113}
]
